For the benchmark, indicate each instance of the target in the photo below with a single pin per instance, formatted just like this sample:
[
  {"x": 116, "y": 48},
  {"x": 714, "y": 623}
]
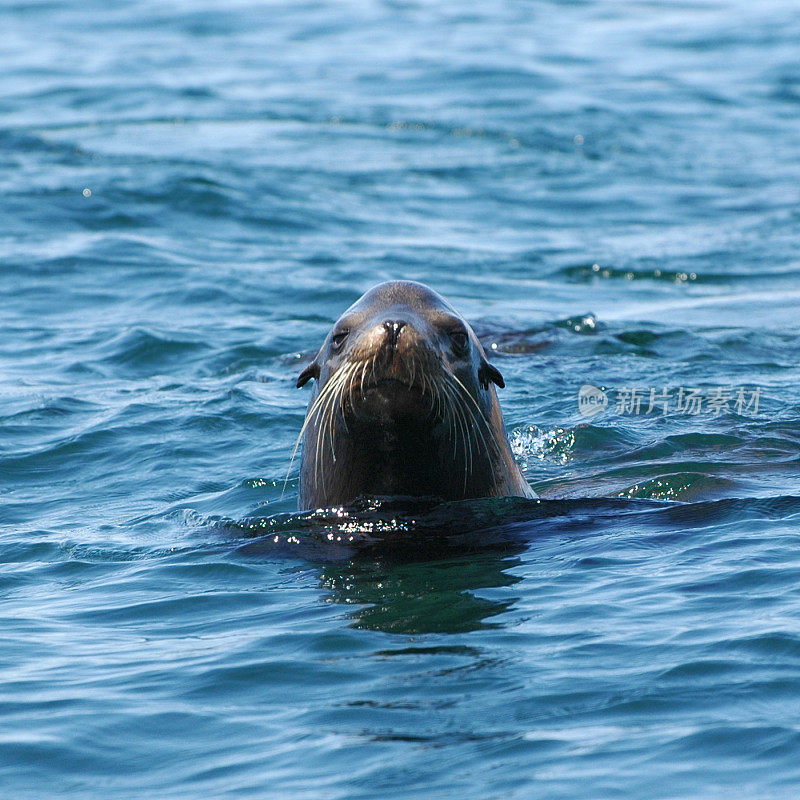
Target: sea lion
[{"x": 404, "y": 405}]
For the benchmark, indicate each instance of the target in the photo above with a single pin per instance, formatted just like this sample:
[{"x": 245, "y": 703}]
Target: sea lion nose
[{"x": 393, "y": 328}]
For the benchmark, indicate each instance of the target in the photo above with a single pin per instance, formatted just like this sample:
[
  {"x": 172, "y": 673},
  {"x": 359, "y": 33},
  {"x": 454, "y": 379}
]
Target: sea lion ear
[
  {"x": 487, "y": 373},
  {"x": 311, "y": 371}
]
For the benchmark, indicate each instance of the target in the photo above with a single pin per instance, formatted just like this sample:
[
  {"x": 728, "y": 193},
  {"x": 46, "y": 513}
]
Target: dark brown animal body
[{"x": 404, "y": 404}]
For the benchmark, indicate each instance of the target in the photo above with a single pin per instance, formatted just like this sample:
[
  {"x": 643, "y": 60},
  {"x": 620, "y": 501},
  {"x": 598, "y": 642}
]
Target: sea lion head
[{"x": 404, "y": 404}]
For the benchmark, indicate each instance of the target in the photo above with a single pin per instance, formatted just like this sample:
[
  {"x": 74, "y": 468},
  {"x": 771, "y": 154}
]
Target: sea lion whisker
[
  {"x": 453, "y": 409},
  {"x": 490, "y": 450},
  {"x": 348, "y": 397},
  {"x": 451, "y": 427},
  {"x": 323, "y": 415},
  {"x": 324, "y": 423},
  {"x": 464, "y": 438},
  {"x": 475, "y": 410},
  {"x": 323, "y": 411},
  {"x": 467, "y": 440},
  {"x": 452, "y": 417},
  {"x": 334, "y": 410},
  {"x": 456, "y": 416},
  {"x": 433, "y": 399},
  {"x": 438, "y": 394},
  {"x": 363, "y": 378},
  {"x": 310, "y": 414},
  {"x": 328, "y": 419}
]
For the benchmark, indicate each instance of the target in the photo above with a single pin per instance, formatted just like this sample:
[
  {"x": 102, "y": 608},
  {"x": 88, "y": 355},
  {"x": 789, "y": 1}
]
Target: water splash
[{"x": 531, "y": 443}]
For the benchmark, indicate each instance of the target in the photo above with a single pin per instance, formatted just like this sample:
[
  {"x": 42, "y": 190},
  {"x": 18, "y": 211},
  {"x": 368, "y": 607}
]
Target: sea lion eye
[
  {"x": 337, "y": 340},
  {"x": 460, "y": 341}
]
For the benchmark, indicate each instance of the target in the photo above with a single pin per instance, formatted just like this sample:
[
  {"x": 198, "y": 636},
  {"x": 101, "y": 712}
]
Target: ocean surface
[{"x": 192, "y": 192}]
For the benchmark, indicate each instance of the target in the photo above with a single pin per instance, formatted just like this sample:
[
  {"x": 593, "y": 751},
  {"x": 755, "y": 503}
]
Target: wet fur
[{"x": 391, "y": 416}]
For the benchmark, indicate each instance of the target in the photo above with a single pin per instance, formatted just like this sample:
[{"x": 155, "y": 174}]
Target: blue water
[{"x": 192, "y": 192}]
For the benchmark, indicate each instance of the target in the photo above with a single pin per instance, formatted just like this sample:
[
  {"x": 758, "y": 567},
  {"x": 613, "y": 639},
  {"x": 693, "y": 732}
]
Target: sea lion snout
[
  {"x": 393, "y": 328},
  {"x": 395, "y": 349},
  {"x": 392, "y": 337}
]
